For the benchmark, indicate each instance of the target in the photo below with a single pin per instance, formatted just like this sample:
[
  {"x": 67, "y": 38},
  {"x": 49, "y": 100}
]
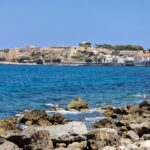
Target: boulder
[
  {"x": 104, "y": 123},
  {"x": 6, "y": 145},
  {"x": 131, "y": 134},
  {"x": 69, "y": 132},
  {"x": 40, "y": 140},
  {"x": 8, "y": 124},
  {"x": 33, "y": 116},
  {"x": 103, "y": 137},
  {"x": 77, "y": 104}
]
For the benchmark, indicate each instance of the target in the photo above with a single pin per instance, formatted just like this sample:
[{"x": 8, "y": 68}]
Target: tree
[{"x": 85, "y": 44}]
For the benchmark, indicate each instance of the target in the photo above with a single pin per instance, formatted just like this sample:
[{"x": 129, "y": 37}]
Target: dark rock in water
[
  {"x": 8, "y": 124},
  {"x": 33, "y": 116},
  {"x": 40, "y": 140},
  {"x": 77, "y": 104},
  {"x": 144, "y": 105},
  {"x": 103, "y": 137},
  {"x": 106, "y": 122}
]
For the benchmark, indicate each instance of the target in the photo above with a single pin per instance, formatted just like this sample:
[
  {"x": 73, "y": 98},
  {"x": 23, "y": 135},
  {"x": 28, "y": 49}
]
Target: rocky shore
[{"x": 125, "y": 128}]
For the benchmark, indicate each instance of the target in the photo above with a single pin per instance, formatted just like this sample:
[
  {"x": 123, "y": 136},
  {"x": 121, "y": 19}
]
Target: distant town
[{"x": 83, "y": 54}]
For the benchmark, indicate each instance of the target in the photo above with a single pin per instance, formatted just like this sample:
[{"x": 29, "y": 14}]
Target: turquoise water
[{"x": 26, "y": 87}]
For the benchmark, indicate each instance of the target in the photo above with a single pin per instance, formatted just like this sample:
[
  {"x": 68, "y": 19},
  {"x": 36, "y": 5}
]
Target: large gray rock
[{"x": 72, "y": 131}]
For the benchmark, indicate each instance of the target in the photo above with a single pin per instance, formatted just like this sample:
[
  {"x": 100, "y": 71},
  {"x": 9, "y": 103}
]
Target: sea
[{"x": 26, "y": 87}]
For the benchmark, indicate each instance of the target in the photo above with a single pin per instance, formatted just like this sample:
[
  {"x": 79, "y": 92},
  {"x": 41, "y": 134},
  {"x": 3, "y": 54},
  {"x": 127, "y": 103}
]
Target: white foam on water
[
  {"x": 49, "y": 104},
  {"x": 64, "y": 112},
  {"x": 93, "y": 119}
]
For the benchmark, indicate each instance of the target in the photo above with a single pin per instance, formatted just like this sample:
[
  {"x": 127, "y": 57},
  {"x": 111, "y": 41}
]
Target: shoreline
[
  {"x": 70, "y": 64},
  {"x": 119, "y": 129}
]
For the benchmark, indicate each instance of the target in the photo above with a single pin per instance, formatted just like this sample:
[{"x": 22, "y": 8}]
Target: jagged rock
[
  {"x": 6, "y": 145},
  {"x": 40, "y": 140},
  {"x": 104, "y": 137},
  {"x": 8, "y": 124},
  {"x": 131, "y": 134},
  {"x": 77, "y": 104},
  {"x": 107, "y": 123}
]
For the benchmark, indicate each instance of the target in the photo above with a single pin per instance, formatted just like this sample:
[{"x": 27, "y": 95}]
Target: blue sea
[{"x": 37, "y": 87}]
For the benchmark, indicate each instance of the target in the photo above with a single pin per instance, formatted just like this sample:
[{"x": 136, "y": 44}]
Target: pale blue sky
[{"x": 68, "y": 22}]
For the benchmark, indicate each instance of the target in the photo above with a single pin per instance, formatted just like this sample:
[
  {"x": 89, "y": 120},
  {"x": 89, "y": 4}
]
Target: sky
[{"x": 68, "y": 22}]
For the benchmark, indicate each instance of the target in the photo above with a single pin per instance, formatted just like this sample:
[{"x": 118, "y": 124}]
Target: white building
[{"x": 143, "y": 58}]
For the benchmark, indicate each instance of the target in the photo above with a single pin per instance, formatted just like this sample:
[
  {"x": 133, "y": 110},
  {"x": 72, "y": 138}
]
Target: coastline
[
  {"x": 69, "y": 64},
  {"x": 119, "y": 129}
]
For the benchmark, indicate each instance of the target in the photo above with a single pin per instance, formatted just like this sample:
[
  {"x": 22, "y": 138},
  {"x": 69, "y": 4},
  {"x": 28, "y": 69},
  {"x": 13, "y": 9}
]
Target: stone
[
  {"x": 131, "y": 134},
  {"x": 40, "y": 140},
  {"x": 133, "y": 109},
  {"x": 8, "y": 124},
  {"x": 125, "y": 141},
  {"x": 69, "y": 132},
  {"x": 128, "y": 147},
  {"x": 33, "y": 116},
  {"x": 77, "y": 145},
  {"x": 146, "y": 136},
  {"x": 61, "y": 145},
  {"x": 104, "y": 137},
  {"x": 77, "y": 104},
  {"x": 58, "y": 118},
  {"x": 109, "y": 148},
  {"x": 144, "y": 105},
  {"x": 6, "y": 145},
  {"x": 145, "y": 145},
  {"x": 140, "y": 129},
  {"x": 121, "y": 111},
  {"x": 106, "y": 122}
]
